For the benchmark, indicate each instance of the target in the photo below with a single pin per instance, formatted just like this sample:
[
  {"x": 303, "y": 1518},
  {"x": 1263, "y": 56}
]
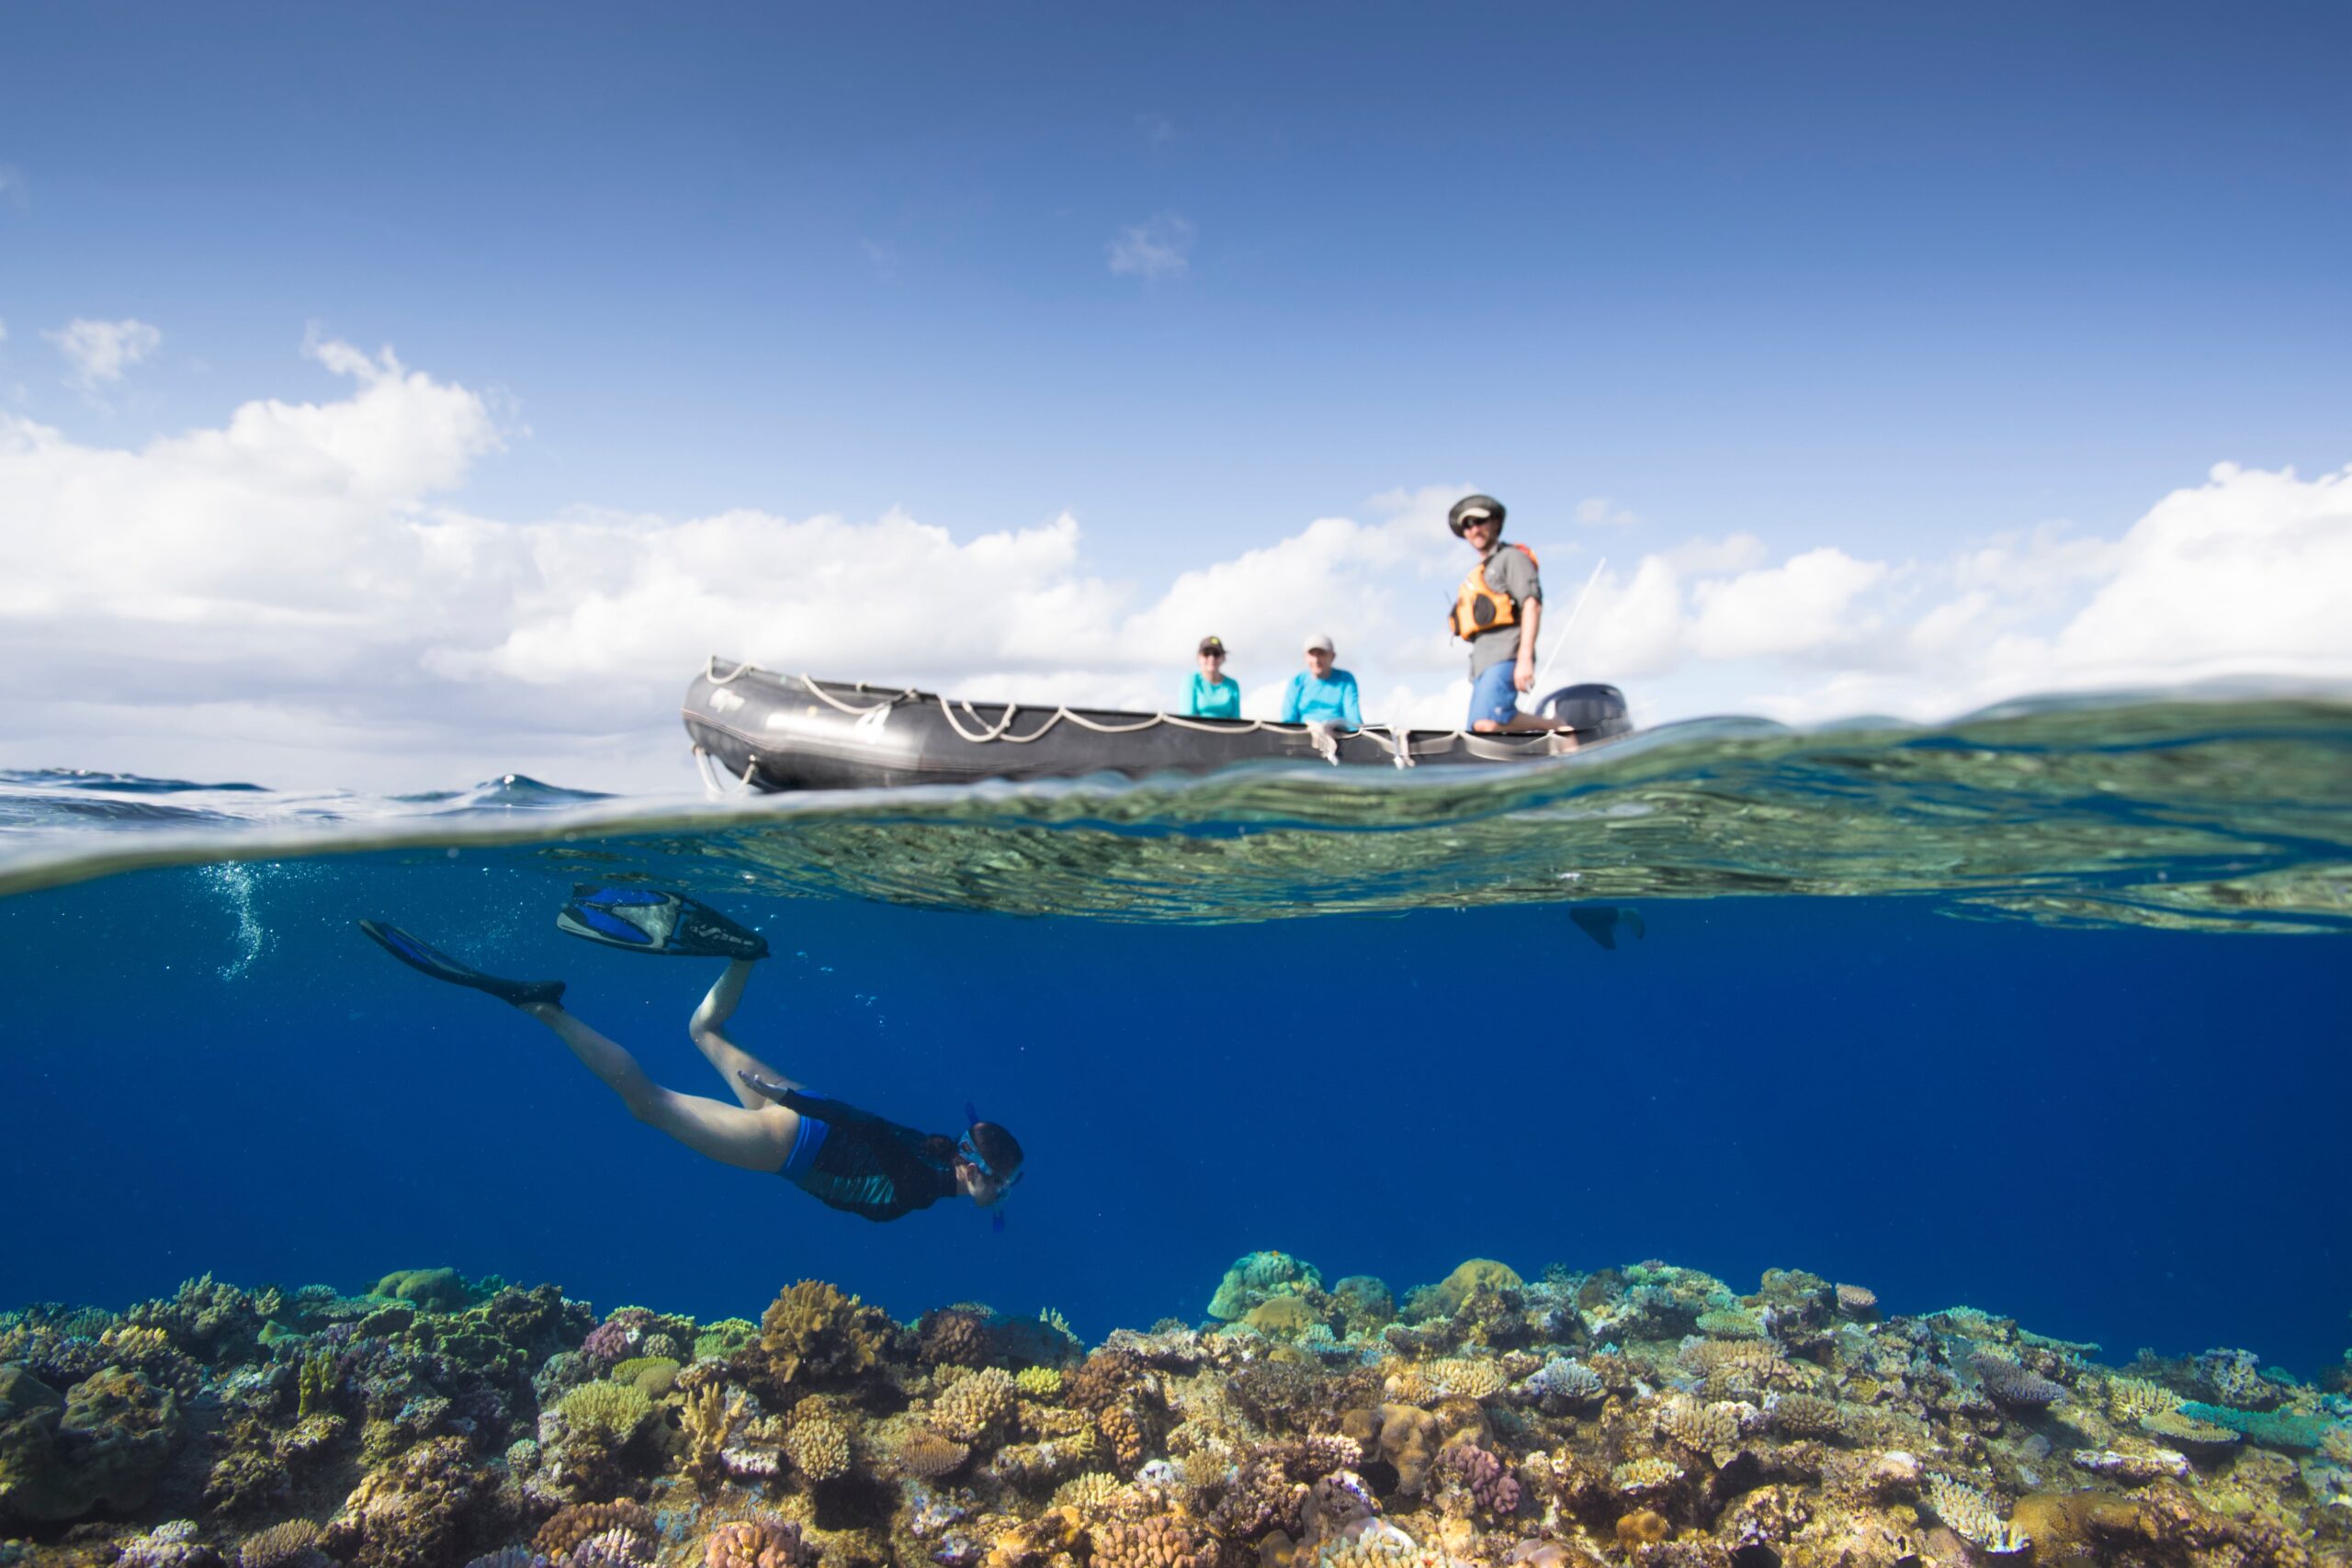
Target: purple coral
[
  {"x": 2013, "y": 1384},
  {"x": 1482, "y": 1476},
  {"x": 616, "y": 1338}
]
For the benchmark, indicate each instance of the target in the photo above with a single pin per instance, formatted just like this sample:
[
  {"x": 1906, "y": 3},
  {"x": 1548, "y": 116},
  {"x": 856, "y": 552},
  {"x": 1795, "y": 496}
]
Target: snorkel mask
[{"x": 970, "y": 1150}]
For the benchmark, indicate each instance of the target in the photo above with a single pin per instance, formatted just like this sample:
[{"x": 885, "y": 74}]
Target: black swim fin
[
  {"x": 427, "y": 959},
  {"x": 1603, "y": 923},
  {"x": 646, "y": 920}
]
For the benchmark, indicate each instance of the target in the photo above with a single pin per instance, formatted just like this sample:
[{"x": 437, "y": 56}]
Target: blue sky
[{"x": 1885, "y": 280}]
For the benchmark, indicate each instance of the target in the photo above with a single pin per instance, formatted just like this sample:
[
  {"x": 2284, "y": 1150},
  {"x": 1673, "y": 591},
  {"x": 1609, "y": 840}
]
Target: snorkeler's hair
[{"x": 998, "y": 1147}]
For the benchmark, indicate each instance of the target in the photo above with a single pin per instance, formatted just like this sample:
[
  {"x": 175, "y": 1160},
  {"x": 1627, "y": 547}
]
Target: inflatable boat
[{"x": 784, "y": 732}]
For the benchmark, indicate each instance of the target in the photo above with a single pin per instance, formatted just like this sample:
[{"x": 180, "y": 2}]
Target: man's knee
[{"x": 1485, "y": 726}]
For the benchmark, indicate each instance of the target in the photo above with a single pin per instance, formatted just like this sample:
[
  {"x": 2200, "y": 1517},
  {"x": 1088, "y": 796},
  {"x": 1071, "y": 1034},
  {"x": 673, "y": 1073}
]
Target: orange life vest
[{"x": 1479, "y": 608}]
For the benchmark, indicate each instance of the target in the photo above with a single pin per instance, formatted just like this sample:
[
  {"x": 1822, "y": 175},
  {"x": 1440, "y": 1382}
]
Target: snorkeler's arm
[{"x": 708, "y": 1027}]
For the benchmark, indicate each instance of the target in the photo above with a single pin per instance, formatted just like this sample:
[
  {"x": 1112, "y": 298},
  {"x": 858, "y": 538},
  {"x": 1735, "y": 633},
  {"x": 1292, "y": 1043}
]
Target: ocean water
[{"x": 2043, "y": 1013}]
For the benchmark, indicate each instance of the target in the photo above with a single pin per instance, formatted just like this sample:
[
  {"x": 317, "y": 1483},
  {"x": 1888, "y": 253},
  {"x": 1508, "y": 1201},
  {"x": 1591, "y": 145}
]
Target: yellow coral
[
  {"x": 817, "y": 1445},
  {"x": 125, "y": 1343},
  {"x": 1282, "y": 1317},
  {"x": 1039, "y": 1382},
  {"x": 1637, "y": 1476},
  {"x": 2130, "y": 1399},
  {"x": 610, "y": 1411},
  {"x": 1465, "y": 1377},
  {"x": 1088, "y": 1495},
  {"x": 708, "y": 1419},
  {"x": 1705, "y": 1427},
  {"x": 812, "y": 1329},
  {"x": 974, "y": 1405},
  {"x": 1479, "y": 1273}
]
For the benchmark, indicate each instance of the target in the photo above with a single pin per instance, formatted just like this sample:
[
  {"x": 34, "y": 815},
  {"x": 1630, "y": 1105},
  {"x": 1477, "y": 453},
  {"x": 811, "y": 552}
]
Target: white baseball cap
[{"x": 1320, "y": 641}]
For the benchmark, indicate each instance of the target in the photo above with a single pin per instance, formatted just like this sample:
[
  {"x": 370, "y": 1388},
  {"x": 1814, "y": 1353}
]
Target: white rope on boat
[{"x": 1398, "y": 739}]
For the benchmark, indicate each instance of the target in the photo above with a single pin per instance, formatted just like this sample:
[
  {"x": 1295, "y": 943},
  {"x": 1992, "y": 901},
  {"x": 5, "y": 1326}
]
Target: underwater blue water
[{"x": 2113, "y": 1130}]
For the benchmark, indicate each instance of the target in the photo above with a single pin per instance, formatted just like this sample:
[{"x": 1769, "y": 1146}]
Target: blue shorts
[{"x": 1494, "y": 694}]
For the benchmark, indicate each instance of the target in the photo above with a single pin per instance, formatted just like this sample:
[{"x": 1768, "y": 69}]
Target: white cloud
[
  {"x": 98, "y": 353},
  {"x": 1161, "y": 246},
  {"x": 294, "y": 595},
  {"x": 1157, "y": 129},
  {"x": 1599, "y": 512}
]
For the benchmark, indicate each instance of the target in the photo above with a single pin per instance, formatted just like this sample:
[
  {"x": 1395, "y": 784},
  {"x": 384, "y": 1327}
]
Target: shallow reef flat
[{"x": 1648, "y": 1415}]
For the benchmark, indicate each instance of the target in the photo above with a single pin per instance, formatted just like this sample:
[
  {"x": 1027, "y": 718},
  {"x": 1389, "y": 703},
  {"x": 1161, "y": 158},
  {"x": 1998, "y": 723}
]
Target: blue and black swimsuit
[{"x": 854, "y": 1160}]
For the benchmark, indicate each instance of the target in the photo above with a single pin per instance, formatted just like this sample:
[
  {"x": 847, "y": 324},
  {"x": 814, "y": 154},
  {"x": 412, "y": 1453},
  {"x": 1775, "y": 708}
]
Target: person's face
[
  {"x": 1318, "y": 660},
  {"x": 1480, "y": 533},
  {"x": 1213, "y": 665}
]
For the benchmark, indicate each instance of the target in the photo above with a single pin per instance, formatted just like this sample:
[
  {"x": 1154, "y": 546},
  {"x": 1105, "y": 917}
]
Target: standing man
[{"x": 1497, "y": 613}]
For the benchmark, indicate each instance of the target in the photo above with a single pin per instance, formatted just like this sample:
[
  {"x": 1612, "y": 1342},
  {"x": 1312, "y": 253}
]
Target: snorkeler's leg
[
  {"x": 708, "y": 1027},
  {"x": 732, "y": 1135}
]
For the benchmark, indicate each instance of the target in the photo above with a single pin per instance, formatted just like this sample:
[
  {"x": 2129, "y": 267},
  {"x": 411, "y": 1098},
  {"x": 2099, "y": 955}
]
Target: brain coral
[
  {"x": 1447, "y": 1297},
  {"x": 811, "y": 1330},
  {"x": 1282, "y": 1317},
  {"x": 974, "y": 1404},
  {"x": 1256, "y": 1276},
  {"x": 1155, "y": 1542},
  {"x": 757, "y": 1543}
]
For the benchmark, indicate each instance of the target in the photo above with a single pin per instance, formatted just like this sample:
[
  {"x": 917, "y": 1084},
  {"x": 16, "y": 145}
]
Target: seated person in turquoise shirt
[
  {"x": 1319, "y": 694},
  {"x": 1211, "y": 695}
]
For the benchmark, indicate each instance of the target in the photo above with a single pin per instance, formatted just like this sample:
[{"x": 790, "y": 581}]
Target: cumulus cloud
[
  {"x": 298, "y": 594},
  {"x": 1161, "y": 246},
  {"x": 1599, "y": 512},
  {"x": 98, "y": 353}
]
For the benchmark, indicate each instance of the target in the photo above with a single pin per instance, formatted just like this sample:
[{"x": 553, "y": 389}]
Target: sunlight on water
[{"x": 2228, "y": 815}]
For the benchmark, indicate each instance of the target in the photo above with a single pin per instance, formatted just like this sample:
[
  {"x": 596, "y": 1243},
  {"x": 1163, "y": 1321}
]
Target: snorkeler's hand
[{"x": 766, "y": 1087}]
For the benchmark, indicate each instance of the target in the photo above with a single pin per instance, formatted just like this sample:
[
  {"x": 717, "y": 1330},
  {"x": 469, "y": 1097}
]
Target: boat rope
[{"x": 873, "y": 715}]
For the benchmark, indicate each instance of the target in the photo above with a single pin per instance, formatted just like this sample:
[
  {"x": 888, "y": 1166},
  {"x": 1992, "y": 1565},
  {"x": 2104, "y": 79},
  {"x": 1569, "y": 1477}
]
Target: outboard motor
[{"x": 1594, "y": 711}]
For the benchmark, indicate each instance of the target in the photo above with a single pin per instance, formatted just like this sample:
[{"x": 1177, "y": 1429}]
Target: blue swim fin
[
  {"x": 427, "y": 959},
  {"x": 646, "y": 920}
]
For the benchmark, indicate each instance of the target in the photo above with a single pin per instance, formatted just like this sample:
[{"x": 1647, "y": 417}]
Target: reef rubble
[{"x": 1646, "y": 1414}]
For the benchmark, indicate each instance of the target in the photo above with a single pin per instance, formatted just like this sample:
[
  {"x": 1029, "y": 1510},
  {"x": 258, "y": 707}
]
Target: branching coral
[
  {"x": 811, "y": 1331},
  {"x": 757, "y": 1543},
  {"x": 708, "y": 1420},
  {"x": 2015, "y": 1385},
  {"x": 292, "y": 1543},
  {"x": 1158, "y": 1542},
  {"x": 580, "y": 1522},
  {"x": 976, "y": 1405},
  {"x": 1973, "y": 1517},
  {"x": 1476, "y": 1478},
  {"x": 817, "y": 1443},
  {"x": 607, "y": 1412}
]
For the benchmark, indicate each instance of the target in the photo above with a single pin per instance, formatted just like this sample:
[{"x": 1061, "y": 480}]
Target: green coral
[
  {"x": 652, "y": 1375},
  {"x": 435, "y": 1290},
  {"x": 725, "y": 1337},
  {"x": 611, "y": 1412},
  {"x": 315, "y": 1384},
  {"x": 1256, "y": 1276},
  {"x": 1039, "y": 1382},
  {"x": 2271, "y": 1429}
]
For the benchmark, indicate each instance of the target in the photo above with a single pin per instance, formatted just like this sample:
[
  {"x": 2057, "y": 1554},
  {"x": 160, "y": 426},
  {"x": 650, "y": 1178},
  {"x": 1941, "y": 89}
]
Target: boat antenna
[{"x": 1562, "y": 641}]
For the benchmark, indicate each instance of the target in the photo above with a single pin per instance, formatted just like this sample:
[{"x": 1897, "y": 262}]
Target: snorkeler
[{"x": 845, "y": 1157}]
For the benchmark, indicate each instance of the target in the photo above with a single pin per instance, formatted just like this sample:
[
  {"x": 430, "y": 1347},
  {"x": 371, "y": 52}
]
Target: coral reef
[{"x": 1648, "y": 1415}]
